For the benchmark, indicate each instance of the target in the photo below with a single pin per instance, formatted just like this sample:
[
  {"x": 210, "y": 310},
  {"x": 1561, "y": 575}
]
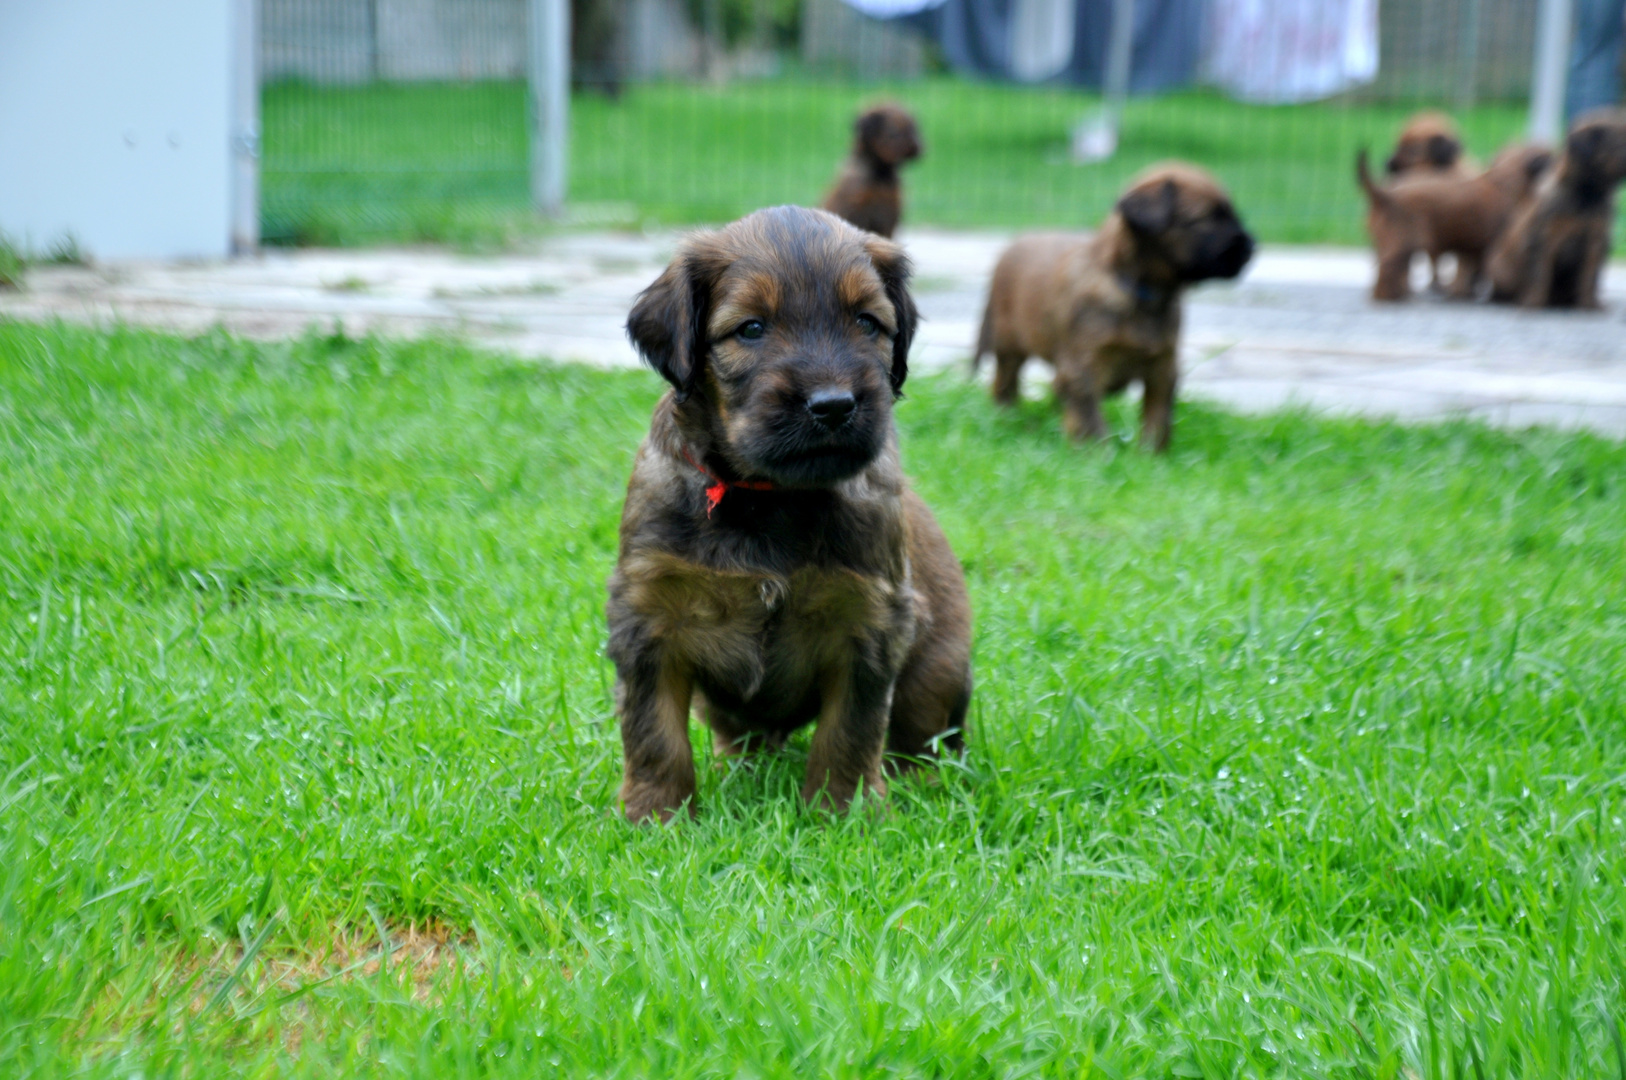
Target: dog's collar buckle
[{"x": 718, "y": 486}]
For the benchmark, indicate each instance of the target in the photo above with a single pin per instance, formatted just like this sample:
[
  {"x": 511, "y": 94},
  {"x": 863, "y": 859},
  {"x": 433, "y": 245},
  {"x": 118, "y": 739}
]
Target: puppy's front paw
[
  {"x": 641, "y": 801},
  {"x": 835, "y": 795}
]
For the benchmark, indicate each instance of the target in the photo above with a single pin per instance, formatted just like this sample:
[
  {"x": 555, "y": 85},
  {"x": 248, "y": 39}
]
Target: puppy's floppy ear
[
  {"x": 893, "y": 266},
  {"x": 1150, "y": 210},
  {"x": 869, "y": 127},
  {"x": 668, "y": 321},
  {"x": 1443, "y": 151}
]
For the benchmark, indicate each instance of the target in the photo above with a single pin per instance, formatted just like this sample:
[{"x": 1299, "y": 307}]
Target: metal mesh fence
[
  {"x": 391, "y": 119},
  {"x": 406, "y": 119}
]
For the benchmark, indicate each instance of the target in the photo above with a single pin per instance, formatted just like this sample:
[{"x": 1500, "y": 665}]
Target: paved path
[{"x": 1296, "y": 328}]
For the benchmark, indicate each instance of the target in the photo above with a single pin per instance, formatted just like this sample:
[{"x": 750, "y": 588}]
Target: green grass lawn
[
  {"x": 449, "y": 162},
  {"x": 1298, "y": 753}
]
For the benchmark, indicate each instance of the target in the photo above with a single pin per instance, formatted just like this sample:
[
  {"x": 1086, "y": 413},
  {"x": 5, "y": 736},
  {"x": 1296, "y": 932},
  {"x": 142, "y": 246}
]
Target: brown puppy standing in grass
[
  {"x": 867, "y": 191},
  {"x": 1553, "y": 252},
  {"x": 1440, "y": 213},
  {"x": 775, "y": 568},
  {"x": 1105, "y": 309}
]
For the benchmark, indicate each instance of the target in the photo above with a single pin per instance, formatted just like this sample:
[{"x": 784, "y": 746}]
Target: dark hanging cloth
[{"x": 975, "y": 36}]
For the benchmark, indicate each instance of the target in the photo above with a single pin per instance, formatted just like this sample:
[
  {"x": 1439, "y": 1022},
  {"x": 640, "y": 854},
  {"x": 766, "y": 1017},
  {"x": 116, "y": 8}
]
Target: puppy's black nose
[{"x": 831, "y": 407}]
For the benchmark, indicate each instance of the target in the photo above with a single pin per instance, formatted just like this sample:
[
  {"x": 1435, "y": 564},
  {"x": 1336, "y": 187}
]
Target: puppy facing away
[
  {"x": 1553, "y": 252},
  {"x": 775, "y": 568},
  {"x": 1437, "y": 213},
  {"x": 1428, "y": 143},
  {"x": 1105, "y": 309},
  {"x": 867, "y": 191}
]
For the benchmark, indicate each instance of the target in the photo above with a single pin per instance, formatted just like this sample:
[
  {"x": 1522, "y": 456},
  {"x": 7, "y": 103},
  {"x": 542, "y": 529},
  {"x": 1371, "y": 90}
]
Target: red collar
[{"x": 719, "y": 487}]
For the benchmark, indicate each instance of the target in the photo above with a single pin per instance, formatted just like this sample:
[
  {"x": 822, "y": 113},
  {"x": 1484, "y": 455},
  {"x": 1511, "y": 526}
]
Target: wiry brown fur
[
  {"x": 1105, "y": 309},
  {"x": 867, "y": 190},
  {"x": 1553, "y": 252},
  {"x": 832, "y": 598},
  {"x": 1440, "y": 213}
]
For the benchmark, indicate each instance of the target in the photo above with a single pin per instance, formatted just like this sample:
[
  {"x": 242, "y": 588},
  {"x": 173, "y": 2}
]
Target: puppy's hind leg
[
  {"x": 1008, "y": 377},
  {"x": 1157, "y": 404},
  {"x": 1394, "y": 275},
  {"x": 929, "y": 710},
  {"x": 1470, "y": 269},
  {"x": 1078, "y": 388}
]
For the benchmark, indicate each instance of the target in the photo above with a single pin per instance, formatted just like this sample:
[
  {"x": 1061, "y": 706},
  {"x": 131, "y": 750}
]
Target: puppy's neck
[
  {"x": 873, "y": 166},
  {"x": 1588, "y": 187},
  {"x": 1140, "y": 265},
  {"x": 684, "y": 432}
]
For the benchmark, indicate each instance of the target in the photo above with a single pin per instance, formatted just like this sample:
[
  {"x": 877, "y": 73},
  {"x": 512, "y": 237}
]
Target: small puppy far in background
[
  {"x": 1105, "y": 309},
  {"x": 868, "y": 192},
  {"x": 1553, "y": 252},
  {"x": 1439, "y": 213},
  {"x": 1429, "y": 143}
]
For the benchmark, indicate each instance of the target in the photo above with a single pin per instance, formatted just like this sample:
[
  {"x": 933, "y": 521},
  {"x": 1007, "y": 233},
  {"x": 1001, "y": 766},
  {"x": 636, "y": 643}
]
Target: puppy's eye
[
  {"x": 869, "y": 324},
  {"x": 751, "y": 329}
]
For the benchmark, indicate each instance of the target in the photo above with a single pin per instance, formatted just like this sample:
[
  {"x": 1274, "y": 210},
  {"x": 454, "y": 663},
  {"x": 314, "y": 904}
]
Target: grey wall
[
  {"x": 349, "y": 41},
  {"x": 114, "y": 125},
  {"x": 837, "y": 38},
  {"x": 360, "y": 40}
]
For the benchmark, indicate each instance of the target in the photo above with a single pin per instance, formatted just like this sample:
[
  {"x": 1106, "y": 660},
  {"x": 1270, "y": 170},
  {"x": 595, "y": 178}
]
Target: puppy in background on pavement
[
  {"x": 1553, "y": 252},
  {"x": 867, "y": 191},
  {"x": 1440, "y": 213},
  {"x": 1105, "y": 309},
  {"x": 775, "y": 568},
  {"x": 1429, "y": 145}
]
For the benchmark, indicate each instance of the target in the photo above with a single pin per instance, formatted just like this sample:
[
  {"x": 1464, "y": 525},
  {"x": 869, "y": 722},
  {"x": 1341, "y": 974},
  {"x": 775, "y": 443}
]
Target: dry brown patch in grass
[{"x": 264, "y": 989}]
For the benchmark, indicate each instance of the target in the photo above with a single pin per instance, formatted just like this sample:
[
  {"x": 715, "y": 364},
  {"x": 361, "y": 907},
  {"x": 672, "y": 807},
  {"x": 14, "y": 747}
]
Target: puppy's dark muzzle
[
  {"x": 831, "y": 408},
  {"x": 1234, "y": 256}
]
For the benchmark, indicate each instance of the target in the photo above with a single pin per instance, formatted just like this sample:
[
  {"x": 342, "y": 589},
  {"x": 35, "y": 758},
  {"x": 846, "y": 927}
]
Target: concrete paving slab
[{"x": 1297, "y": 329}]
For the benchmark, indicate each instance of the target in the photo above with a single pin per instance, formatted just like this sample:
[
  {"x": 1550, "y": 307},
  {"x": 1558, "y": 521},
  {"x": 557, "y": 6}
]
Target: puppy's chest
[
  {"x": 1143, "y": 330},
  {"x": 725, "y": 620},
  {"x": 1117, "y": 322}
]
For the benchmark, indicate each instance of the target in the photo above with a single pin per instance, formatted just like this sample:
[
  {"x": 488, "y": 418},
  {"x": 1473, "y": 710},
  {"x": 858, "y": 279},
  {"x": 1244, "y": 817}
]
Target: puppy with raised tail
[
  {"x": 1104, "y": 310},
  {"x": 1440, "y": 213},
  {"x": 775, "y": 569}
]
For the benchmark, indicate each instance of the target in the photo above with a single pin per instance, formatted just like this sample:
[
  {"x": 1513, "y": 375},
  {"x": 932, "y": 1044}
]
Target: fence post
[
  {"x": 245, "y": 127},
  {"x": 1553, "y": 31},
  {"x": 1468, "y": 55},
  {"x": 1096, "y": 138},
  {"x": 550, "y": 103}
]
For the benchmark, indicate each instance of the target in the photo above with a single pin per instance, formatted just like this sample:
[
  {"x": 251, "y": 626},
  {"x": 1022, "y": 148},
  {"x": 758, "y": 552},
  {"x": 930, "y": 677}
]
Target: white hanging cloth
[{"x": 1279, "y": 51}]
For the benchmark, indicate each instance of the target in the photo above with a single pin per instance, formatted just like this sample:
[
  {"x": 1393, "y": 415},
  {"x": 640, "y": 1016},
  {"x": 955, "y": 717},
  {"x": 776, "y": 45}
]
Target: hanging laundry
[
  {"x": 892, "y": 9},
  {"x": 1279, "y": 51},
  {"x": 1064, "y": 40},
  {"x": 1041, "y": 38}
]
